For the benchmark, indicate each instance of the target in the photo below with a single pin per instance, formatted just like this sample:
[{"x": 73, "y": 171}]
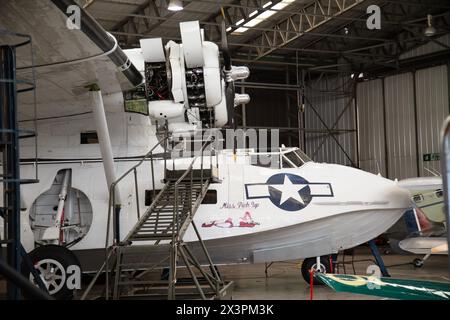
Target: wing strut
[{"x": 105, "y": 148}]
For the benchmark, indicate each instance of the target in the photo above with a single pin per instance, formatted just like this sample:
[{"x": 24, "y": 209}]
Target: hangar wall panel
[
  {"x": 432, "y": 108},
  {"x": 333, "y": 100},
  {"x": 415, "y": 106},
  {"x": 372, "y": 147},
  {"x": 400, "y": 126}
]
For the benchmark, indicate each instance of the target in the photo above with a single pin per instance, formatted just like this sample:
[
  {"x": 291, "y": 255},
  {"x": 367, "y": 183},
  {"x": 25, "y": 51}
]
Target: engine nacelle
[
  {"x": 165, "y": 109},
  {"x": 184, "y": 83}
]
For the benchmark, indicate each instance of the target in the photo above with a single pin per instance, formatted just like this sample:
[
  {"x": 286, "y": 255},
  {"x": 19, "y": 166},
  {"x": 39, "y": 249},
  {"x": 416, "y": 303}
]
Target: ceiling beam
[{"x": 301, "y": 23}]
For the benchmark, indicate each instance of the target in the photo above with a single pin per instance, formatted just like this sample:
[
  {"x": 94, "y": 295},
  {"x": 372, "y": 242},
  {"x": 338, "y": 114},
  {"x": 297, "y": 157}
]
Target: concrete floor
[{"x": 284, "y": 281}]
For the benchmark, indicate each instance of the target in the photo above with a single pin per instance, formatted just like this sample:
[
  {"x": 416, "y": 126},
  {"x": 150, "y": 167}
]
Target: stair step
[
  {"x": 153, "y": 222},
  {"x": 151, "y": 237},
  {"x": 151, "y": 233},
  {"x": 159, "y": 225},
  {"x": 161, "y": 217},
  {"x": 161, "y": 213},
  {"x": 156, "y": 227}
]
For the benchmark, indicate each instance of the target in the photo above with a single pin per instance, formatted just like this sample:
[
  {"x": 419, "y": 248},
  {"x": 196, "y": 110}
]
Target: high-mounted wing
[{"x": 65, "y": 59}]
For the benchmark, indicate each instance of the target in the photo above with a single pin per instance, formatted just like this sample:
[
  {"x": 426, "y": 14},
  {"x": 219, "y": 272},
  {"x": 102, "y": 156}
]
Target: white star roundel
[{"x": 289, "y": 192}]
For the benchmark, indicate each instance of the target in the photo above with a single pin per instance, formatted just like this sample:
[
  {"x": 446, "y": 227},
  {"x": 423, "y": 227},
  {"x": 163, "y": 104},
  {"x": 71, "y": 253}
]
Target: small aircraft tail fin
[
  {"x": 424, "y": 223},
  {"x": 416, "y": 221}
]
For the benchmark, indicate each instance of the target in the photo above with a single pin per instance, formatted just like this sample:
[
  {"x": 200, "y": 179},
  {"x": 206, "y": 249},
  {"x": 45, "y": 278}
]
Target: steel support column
[
  {"x": 9, "y": 147},
  {"x": 445, "y": 164}
]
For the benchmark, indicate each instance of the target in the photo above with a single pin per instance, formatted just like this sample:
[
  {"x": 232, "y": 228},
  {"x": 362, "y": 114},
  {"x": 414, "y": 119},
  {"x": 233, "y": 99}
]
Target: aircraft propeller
[{"x": 229, "y": 82}]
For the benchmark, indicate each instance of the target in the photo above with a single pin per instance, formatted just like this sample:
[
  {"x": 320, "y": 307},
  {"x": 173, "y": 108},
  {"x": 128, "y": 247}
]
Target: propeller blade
[
  {"x": 224, "y": 48},
  {"x": 229, "y": 96},
  {"x": 229, "y": 84}
]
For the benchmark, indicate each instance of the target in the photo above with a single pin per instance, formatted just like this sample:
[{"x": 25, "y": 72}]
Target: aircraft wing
[
  {"x": 402, "y": 289},
  {"x": 65, "y": 60},
  {"x": 421, "y": 183},
  {"x": 425, "y": 245}
]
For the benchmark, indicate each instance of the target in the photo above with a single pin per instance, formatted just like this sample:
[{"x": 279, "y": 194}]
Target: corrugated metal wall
[
  {"x": 410, "y": 114},
  {"x": 432, "y": 108},
  {"x": 332, "y": 98},
  {"x": 400, "y": 126},
  {"x": 372, "y": 155}
]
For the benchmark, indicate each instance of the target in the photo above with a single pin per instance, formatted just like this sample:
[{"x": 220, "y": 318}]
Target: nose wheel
[{"x": 324, "y": 266}]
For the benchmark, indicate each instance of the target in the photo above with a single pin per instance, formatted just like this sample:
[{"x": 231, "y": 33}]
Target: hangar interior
[
  {"x": 300, "y": 51},
  {"x": 336, "y": 84}
]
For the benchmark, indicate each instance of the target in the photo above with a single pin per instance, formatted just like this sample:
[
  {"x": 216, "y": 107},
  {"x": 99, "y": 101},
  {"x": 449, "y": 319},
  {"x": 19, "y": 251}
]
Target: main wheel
[
  {"x": 52, "y": 262},
  {"x": 418, "y": 263},
  {"x": 311, "y": 263}
]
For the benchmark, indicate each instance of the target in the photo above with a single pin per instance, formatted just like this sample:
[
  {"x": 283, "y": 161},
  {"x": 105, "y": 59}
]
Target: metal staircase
[
  {"x": 130, "y": 262},
  {"x": 10, "y": 177},
  {"x": 159, "y": 220}
]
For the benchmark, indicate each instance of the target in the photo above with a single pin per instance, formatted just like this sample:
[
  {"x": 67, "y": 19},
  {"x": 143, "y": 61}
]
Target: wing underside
[{"x": 66, "y": 60}]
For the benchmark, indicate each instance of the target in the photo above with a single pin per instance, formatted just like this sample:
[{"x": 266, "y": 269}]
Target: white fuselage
[{"x": 254, "y": 218}]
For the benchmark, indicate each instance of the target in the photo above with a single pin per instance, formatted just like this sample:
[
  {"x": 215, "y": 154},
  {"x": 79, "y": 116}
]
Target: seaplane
[{"x": 109, "y": 123}]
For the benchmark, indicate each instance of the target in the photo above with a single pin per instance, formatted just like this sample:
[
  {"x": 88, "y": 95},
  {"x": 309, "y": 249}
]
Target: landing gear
[
  {"x": 311, "y": 263},
  {"x": 417, "y": 263},
  {"x": 52, "y": 262}
]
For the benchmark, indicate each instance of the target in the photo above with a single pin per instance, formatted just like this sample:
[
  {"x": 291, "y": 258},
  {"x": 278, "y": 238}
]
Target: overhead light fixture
[
  {"x": 430, "y": 30},
  {"x": 175, "y": 5},
  {"x": 262, "y": 15}
]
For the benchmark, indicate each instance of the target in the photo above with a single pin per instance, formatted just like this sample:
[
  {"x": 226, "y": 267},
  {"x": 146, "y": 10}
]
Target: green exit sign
[{"x": 431, "y": 157}]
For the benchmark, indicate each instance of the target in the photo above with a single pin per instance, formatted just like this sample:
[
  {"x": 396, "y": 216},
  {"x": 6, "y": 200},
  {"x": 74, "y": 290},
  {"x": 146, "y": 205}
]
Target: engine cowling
[{"x": 184, "y": 83}]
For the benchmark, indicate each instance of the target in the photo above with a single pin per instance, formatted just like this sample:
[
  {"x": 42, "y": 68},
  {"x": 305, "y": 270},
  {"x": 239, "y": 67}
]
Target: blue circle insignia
[{"x": 289, "y": 192}]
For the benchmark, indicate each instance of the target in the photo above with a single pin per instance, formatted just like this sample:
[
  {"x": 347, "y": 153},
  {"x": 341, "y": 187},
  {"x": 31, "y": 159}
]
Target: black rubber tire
[
  {"x": 308, "y": 263},
  {"x": 62, "y": 255},
  {"x": 418, "y": 263}
]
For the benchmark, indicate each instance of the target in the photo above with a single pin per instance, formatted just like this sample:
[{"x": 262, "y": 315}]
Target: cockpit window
[
  {"x": 282, "y": 158},
  {"x": 303, "y": 156},
  {"x": 418, "y": 198},
  {"x": 294, "y": 159}
]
